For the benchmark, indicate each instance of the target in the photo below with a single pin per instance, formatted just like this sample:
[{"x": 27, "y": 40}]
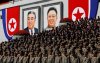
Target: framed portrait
[
  {"x": 52, "y": 14},
  {"x": 25, "y": 12}
]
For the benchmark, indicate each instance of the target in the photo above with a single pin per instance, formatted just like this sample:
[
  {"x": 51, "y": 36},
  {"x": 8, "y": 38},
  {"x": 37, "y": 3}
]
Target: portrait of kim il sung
[{"x": 31, "y": 20}]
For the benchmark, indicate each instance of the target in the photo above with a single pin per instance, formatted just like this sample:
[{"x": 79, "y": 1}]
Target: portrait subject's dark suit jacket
[{"x": 35, "y": 29}]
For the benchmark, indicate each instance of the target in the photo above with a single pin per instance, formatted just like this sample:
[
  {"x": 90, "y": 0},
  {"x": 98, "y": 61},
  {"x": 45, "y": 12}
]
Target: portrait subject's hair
[
  {"x": 31, "y": 12},
  {"x": 52, "y": 8}
]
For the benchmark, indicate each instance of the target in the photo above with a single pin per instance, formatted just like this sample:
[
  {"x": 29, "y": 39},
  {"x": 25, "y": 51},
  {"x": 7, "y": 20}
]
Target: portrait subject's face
[
  {"x": 52, "y": 18},
  {"x": 31, "y": 21}
]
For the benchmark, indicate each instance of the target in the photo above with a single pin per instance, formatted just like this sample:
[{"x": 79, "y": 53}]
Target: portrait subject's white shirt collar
[
  {"x": 32, "y": 30},
  {"x": 49, "y": 28}
]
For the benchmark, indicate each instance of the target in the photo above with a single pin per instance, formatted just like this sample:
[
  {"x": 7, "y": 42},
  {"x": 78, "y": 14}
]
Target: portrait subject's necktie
[{"x": 31, "y": 32}]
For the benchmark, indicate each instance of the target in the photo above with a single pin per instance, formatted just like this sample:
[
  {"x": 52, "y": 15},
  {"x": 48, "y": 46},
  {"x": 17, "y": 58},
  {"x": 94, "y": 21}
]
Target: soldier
[
  {"x": 5, "y": 57},
  {"x": 25, "y": 59},
  {"x": 12, "y": 57},
  {"x": 1, "y": 57},
  {"x": 84, "y": 58},
  {"x": 9, "y": 57},
  {"x": 98, "y": 55},
  {"x": 20, "y": 57},
  {"x": 31, "y": 57},
  {"x": 74, "y": 58},
  {"x": 94, "y": 59},
  {"x": 37, "y": 58},
  {"x": 16, "y": 58},
  {"x": 44, "y": 58},
  {"x": 50, "y": 57},
  {"x": 64, "y": 57},
  {"x": 58, "y": 57}
]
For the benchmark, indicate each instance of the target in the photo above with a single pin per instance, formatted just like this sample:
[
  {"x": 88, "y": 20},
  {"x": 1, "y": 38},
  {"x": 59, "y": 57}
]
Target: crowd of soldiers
[{"x": 76, "y": 42}]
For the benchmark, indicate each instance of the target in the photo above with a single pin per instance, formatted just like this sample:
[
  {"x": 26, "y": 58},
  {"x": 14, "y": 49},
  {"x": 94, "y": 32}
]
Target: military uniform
[
  {"x": 9, "y": 59},
  {"x": 44, "y": 59},
  {"x": 84, "y": 60},
  {"x": 37, "y": 60},
  {"x": 31, "y": 60},
  {"x": 50, "y": 59},
  {"x": 20, "y": 60},
  {"x": 74, "y": 60},
  {"x": 16, "y": 59},
  {"x": 94, "y": 60},
  {"x": 64, "y": 59},
  {"x": 25, "y": 60},
  {"x": 5, "y": 59},
  {"x": 58, "y": 59},
  {"x": 1, "y": 59}
]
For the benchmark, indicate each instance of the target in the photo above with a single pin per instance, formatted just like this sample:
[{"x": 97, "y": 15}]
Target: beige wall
[{"x": 10, "y": 4}]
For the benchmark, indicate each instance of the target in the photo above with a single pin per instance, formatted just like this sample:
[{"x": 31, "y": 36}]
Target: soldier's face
[
  {"x": 52, "y": 18},
  {"x": 31, "y": 21}
]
